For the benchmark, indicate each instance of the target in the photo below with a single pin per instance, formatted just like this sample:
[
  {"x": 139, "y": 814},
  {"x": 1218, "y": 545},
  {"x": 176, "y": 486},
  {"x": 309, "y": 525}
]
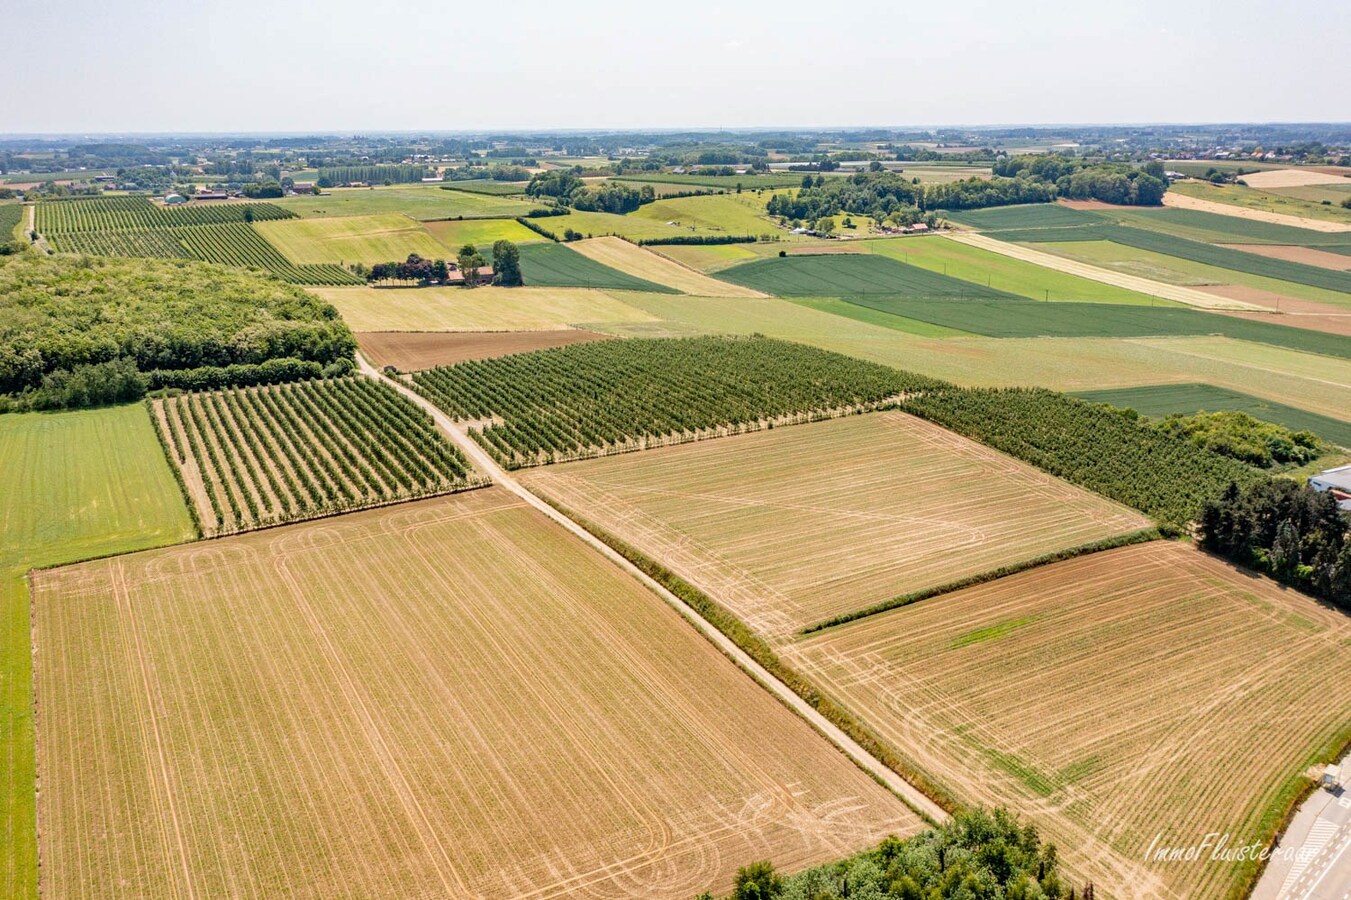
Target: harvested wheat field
[
  {"x": 799, "y": 524},
  {"x": 249, "y": 457},
  {"x": 1281, "y": 178},
  {"x": 639, "y": 262},
  {"x": 1183, "y": 201},
  {"x": 449, "y": 698},
  {"x": 409, "y": 351},
  {"x": 477, "y": 309},
  {"x": 1144, "y": 691}
]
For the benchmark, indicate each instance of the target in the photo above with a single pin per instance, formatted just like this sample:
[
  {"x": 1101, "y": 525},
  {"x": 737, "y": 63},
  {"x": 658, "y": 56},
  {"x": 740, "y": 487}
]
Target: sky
[{"x": 86, "y": 66}]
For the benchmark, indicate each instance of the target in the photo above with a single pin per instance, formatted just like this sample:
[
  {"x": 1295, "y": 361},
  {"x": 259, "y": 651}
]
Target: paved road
[
  {"x": 1189, "y": 296},
  {"x": 485, "y": 464},
  {"x": 1319, "y": 844}
]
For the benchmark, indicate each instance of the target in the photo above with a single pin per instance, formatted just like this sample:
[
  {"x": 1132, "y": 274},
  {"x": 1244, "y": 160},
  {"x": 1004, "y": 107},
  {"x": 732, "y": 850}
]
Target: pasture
[
  {"x": 409, "y": 351},
  {"x": 391, "y": 704},
  {"x": 77, "y": 485},
  {"x": 713, "y": 214},
  {"x": 486, "y": 186},
  {"x": 1158, "y": 400},
  {"x": 477, "y": 309},
  {"x": 792, "y": 526},
  {"x": 1148, "y": 690},
  {"x": 851, "y": 274},
  {"x": 558, "y": 265},
  {"x": 453, "y": 234},
  {"x": 422, "y": 202},
  {"x": 250, "y": 457},
  {"x": 364, "y": 239},
  {"x": 643, "y": 263}
]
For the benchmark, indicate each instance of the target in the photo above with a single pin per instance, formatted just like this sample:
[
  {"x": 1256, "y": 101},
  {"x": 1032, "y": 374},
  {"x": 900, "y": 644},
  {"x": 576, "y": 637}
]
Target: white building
[{"x": 1338, "y": 481}]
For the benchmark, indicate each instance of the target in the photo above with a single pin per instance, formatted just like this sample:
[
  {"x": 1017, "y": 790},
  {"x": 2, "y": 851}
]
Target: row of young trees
[
  {"x": 564, "y": 401},
  {"x": 1288, "y": 530}
]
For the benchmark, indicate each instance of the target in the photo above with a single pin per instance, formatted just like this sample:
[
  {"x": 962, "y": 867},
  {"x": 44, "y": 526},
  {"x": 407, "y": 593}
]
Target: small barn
[
  {"x": 174, "y": 200},
  {"x": 1338, "y": 481}
]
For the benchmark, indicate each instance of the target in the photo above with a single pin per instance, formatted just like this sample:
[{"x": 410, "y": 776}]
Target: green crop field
[
  {"x": 1317, "y": 193},
  {"x": 482, "y": 233},
  {"x": 1251, "y": 198},
  {"x": 77, "y": 485},
  {"x": 983, "y": 267},
  {"x": 1029, "y": 215},
  {"x": 421, "y": 202},
  {"x": 486, "y": 186},
  {"x": 557, "y": 265},
  {"x": 850, "y": 274},
  {"x": 1213, "y": 228},
  {"x": 1167, "y": 399},
  {"x": 12, "y": 218},
  {"x": 725, "y": 213},
  {"x": 365, "y": 239},
  {"x": 135, "y": 213},
  {"x": 721, "y": 182}
]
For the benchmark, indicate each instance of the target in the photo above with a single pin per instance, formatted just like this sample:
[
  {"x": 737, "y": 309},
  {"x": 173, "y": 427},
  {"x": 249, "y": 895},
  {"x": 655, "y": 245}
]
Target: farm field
[
  {"x": 1333, "y": 193},
  {"x": 558, "y": 265},
  {"x": 725, "y": 213},
  {"x": 1317, "y": 383},
  {"x": 1311, "y": 256},
  {"x": 643, "y": 263},
  {"x": 1275, "y": 179},
  {"x": 1033, "y": 215},
  {"x": 793, "y": 526},
  {"x": 719, "y": 182},
  {"x": 1263, "y": 201},
  {"x": 1004, "y": 273},
  {"x": 478, "y": 309},
  {"x": 851, "y": 275},
  {"x": 1166, "y": 399},
  {"x": 709, "y": 258},
  {"x": 251, "y": 457},
  {"x": 562, "y": 732},
  {"x": 417, "y": 201},
  {"x": 486, "y": 186},
  {"x": 126, "y": 213},
  {"x": 1101, "y": 696},
  {"x": 364, "y": 239},
  {"x": 78, "y": 485},
  {"x": 482, "y": 233},
  {"x": 608, "y": 397},
  {"x": 12, "y": 219},
  {"x": 1198, "y": 225},
  {"x": 408, "y": 351},
  {"x": 1170, "y": 269}
]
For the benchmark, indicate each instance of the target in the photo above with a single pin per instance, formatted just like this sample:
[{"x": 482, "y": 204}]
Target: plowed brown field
[
  {"x": 410, "y": 351},
  {"x": 795, "y": 525},
  {"x": 1140, "y": 692},
  {"x": 448, "y": 698}
]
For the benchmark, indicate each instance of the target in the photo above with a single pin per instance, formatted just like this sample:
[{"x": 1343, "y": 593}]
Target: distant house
[
  {"x": 1338, "y": 481},
  {"x": 917, "y": 228},
  {"x": 304, "y": 187},
  {"x": 174, "y": 199},
  {"x": 455, "y": 276},
  {"x": 211, "y": 195}
]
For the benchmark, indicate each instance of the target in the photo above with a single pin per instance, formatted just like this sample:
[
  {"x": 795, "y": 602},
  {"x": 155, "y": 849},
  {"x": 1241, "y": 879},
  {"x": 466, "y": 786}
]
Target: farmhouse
[
  {"x": 211, "y": 195},
  {"x": 454, "y": 275},
  {"x": 1338, "y": 481}
]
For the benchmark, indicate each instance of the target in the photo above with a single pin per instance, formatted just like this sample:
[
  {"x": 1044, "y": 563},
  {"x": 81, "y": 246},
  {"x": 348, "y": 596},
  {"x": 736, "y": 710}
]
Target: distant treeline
[
  {"x": 566, "y": 187},
  {"x": 339, "y": 175},
  {"x": 1079, "y": 179}
]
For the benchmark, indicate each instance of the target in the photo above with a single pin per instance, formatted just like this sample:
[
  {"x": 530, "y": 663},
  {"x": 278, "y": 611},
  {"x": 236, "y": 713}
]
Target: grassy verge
[
  {"x": 1121, "y": 540},
  {"x": 732, "y": 627}
]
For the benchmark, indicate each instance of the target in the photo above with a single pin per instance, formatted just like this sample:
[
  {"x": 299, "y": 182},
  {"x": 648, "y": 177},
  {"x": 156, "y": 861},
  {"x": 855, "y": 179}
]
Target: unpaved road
[
  {"x": 1182, "y": 201},
  {"x": 912, "y": 796},
  {"x": 1189, "y": 296}
]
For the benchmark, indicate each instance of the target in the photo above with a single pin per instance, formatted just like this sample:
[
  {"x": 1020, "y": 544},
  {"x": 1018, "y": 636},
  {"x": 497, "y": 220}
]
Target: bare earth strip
[
  {"x": 409, "y": 351},
  {"x": 1282, "y": 310},
  {"x": 642, "y": 263},
  {"x": 1182, "y": 201},
  {"x": 1189, "y": 296},
  {"x": 452, "y": 697},
  {"x": 792, "y": 526},
  {"x": 1307, "y": 255},
  {"x": 1140, "y": 692}
]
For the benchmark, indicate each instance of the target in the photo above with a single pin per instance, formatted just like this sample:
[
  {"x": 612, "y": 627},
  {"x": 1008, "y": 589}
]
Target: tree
[
  {"x": 469, "y": 262},
  {"x": 507, "y": 264},
  {"x": 825, "y": 225},
  {"x": 248, "y": 214},
  {"x": 758, "y": 881}
]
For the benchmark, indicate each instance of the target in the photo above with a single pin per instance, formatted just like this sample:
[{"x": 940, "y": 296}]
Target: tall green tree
[
  {"x": 470, "y": 261},
  {"x": 507, "y": 264}
]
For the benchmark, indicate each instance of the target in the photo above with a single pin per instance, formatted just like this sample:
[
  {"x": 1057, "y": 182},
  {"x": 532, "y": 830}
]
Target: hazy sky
[{"x": 251, "y": 65}]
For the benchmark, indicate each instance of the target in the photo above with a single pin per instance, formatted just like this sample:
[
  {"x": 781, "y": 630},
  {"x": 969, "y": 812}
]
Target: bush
[{"x": 100, "y": 384}]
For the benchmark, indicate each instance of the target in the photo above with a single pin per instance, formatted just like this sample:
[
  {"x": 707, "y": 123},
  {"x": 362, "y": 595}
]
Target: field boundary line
[
  {"x": 1186, "y": 295},
  {"x": 886, "y": 775},
  {"x": 1139, "y": 536}
]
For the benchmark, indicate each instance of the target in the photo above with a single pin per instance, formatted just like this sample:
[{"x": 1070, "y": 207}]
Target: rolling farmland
[
  {"x": 848, "y": 275},
  {"x": 1140, "y": 691},
  {"x": 104, "y": 214},
  {"x": 640, "y": 262},
  {"x": 448, "y": 698},
  {"x": 792, "y": 526},
  {"x": 609, "y": 397},
  {"x": 453, "y": 234},
  {"x": 421, "y": 202},
  {"x": 78, "y": 485},
  {"x": 364, "y": 239},
  {"x": 411, "y": 350},
  {"x": 558, "y": 265},
  {"x": 259, "y": 456},
  {"x": 479, "y": 309},
  {"x": 1258, "y": 201}
]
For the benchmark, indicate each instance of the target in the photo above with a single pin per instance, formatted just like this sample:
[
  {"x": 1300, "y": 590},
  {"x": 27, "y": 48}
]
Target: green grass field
[
  {"x": 349, "y": 239},
  {"x": 1317, "y": 193},
  {"x": 557, "y": 265},
  {"x": 486, "y": 186},
  {"x": 1159, "y": 400},
  {"x": 598, "y": 224},
  {"x": 1213, "y": 228},
  {"x": 1176, "y": 270},
  {"x": 715, "y": 213},
  {"x": 77, "y": 485},
  {"x": 720, "y": 182},
  {"x": 420, "y": 202},
  {"x": 1003, "y": 273},
  {"x": 1029, "y": 215},
  {"x": 482, "y": 233},
  {"x": 850, "y": 274},
  {"x": 1251, "y": 198}
]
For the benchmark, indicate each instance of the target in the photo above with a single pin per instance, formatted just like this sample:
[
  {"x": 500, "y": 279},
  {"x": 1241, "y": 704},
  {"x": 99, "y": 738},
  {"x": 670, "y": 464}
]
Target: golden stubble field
[
  {"x": 793, "y": 526},
  {"x": 1145, "y": 691},
  {"x": 446, "y": 698}
]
